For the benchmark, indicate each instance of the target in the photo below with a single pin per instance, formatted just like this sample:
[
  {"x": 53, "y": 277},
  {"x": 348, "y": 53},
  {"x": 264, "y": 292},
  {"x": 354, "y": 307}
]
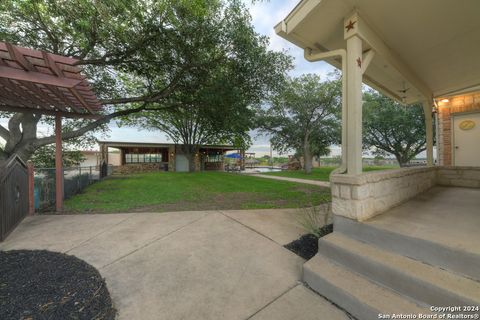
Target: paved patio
[{"x": 187, "y": 265}]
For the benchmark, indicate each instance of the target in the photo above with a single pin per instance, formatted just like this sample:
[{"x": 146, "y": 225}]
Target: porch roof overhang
[
  {"x": 41, "y": 82},
  {"x": 423, "y": 49}
]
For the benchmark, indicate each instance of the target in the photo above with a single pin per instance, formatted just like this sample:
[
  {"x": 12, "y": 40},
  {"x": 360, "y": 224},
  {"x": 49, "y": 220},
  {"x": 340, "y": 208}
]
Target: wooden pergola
[{"x": 41, "y": 82}]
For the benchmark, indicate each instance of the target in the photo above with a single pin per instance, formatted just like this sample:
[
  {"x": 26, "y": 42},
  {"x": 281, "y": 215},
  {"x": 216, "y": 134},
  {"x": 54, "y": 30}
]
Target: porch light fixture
[{"x": 444, "y": 100}]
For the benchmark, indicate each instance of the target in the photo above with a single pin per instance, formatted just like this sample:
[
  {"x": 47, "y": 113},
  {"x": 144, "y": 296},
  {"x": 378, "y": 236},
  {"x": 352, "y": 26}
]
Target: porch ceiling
[{"x": 438, "y": 41}]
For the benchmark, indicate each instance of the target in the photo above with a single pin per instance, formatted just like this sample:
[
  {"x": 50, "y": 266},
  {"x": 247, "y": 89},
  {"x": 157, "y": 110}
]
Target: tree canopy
[
  {"x": 221, "y": 108},
  {"x": 392, "y": 128},
  {"x": 142, "y": 55},
  {"x": 304, "y": 117}
]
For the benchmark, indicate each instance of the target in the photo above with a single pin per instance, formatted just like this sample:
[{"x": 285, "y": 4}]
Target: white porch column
[
  {"x": 427, "y": 110},
  {"x": 354, "y": 105}
]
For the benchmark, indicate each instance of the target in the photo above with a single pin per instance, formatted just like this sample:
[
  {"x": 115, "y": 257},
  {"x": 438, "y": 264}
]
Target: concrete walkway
[
  {"x": 187, "y": 265},
  {"x": 305, "y": 181}
]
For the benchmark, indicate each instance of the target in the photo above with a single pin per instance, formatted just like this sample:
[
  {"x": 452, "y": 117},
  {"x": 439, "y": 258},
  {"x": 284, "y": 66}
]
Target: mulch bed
[
  {"x": 39, "y": 284},
  {"x": 307, "y": 245}
]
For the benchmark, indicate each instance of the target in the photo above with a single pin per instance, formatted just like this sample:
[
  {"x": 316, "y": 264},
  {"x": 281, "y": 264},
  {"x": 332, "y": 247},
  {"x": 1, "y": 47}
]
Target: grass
[
  {"x": 172, "y": 191},
  {"x": 321, "y": 174}
]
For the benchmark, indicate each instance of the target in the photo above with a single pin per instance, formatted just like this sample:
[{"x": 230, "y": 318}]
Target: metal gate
[{"x": 13, "y": 194}]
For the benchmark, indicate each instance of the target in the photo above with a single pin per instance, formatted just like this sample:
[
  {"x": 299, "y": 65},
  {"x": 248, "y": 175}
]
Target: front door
[{"x": 466, "y": 139}]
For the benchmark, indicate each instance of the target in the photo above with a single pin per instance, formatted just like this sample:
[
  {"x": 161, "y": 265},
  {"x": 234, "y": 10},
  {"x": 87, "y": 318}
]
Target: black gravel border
[
  {"x": 40, "y": 284},
  {"x": 307, "y": 245}
]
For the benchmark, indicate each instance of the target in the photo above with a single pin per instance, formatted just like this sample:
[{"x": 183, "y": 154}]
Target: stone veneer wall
[
  {"x": 137, "y": 168},
  {"x": 363, "y": 196},
  {"x": 459, "y": 177},
  {"x": 446, "y": 110}
]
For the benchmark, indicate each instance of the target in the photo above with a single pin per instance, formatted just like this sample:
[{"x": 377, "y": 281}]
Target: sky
[{"x": 265, "y": 15}]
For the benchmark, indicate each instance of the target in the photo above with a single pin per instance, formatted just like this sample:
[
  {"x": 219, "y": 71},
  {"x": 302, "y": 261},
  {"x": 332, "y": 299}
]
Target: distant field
[
  {"x": 322, "y": 173},
  {"x": 173, "y": 191}
]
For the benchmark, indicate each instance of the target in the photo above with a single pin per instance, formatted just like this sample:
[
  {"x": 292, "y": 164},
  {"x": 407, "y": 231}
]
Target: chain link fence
[{"x": 75, "y": 180}]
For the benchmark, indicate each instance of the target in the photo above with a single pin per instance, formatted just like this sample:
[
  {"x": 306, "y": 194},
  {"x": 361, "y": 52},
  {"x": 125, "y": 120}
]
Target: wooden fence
[{"x": 14, "y": 194}]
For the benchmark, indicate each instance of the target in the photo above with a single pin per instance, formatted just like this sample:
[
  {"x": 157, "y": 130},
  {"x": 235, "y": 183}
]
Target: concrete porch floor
[
  {"x": 187, "y": 265},
  {"x": 448, "y": 216}
]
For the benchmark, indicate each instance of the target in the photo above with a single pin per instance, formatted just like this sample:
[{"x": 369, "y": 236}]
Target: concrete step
[
  {"x": 422, "y": 282},
  {"x": 362, "y": 298},
  {"x": 436, "y": 253}
]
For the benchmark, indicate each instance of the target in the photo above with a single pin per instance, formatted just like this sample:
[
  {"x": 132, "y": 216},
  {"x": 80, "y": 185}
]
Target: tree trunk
[
  {"x": 191, "y": 162},
  {"x": 307, "y": 158},
  {"x": 190, "y": 152},
  {"x": 401, "y": 160}
]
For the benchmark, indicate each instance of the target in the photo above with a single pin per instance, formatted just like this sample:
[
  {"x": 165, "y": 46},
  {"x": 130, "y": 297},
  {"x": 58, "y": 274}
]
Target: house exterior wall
[
  {"x": 446, "y": 111},
  {"x": 138, "y": 168},
  {"x": 114, "y": 158}
]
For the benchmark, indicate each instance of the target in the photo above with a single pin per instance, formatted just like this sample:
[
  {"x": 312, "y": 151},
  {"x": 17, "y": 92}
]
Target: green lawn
[
  {"x": 322, "y": 173},
  {"x": 170, "y": 191}
]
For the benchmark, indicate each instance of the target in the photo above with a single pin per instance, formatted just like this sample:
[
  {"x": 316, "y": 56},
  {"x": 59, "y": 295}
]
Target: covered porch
[
  {"x": 414, "y": 52},
  {"x": 129, "y": 157}
]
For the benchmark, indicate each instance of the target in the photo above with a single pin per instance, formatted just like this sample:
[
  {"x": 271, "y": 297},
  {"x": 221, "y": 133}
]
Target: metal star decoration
[
  {"x": 359, "y": 62},
  {"x": 350, "y": 25}
]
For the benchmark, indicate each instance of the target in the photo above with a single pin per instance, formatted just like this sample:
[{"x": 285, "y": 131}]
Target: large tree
[
  {"x": 139, "y": 54},
  {"x": 304, "y": 117},
  {"x": 222, "y": 108},
  {"x": 392, "y": 128}
]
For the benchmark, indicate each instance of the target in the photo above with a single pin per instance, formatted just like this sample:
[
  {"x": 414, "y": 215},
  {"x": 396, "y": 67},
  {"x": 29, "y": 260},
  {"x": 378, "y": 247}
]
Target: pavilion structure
[{"x": 44, "y": 83}]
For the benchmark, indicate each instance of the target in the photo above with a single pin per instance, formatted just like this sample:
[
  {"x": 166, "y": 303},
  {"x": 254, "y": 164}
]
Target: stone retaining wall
[{"x": 363, "y": 196}]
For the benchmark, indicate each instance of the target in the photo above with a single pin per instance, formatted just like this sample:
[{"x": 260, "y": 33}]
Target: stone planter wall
[
  {"x": 459, "y": 177},
  {"x": 360, "y": 197}
]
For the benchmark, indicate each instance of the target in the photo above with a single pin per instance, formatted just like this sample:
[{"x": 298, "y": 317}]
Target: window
[
  {"x": 214, "y": 157},
  {"x": 143, "y": 157}
]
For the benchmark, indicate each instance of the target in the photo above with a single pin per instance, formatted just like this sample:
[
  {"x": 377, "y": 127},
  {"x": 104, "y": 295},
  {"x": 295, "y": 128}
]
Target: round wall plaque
[{"x": 466, "y": 124}]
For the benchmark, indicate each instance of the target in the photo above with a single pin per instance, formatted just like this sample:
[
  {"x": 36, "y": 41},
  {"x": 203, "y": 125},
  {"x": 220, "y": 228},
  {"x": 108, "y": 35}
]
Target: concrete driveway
[{"x": 187, "y": 265}]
